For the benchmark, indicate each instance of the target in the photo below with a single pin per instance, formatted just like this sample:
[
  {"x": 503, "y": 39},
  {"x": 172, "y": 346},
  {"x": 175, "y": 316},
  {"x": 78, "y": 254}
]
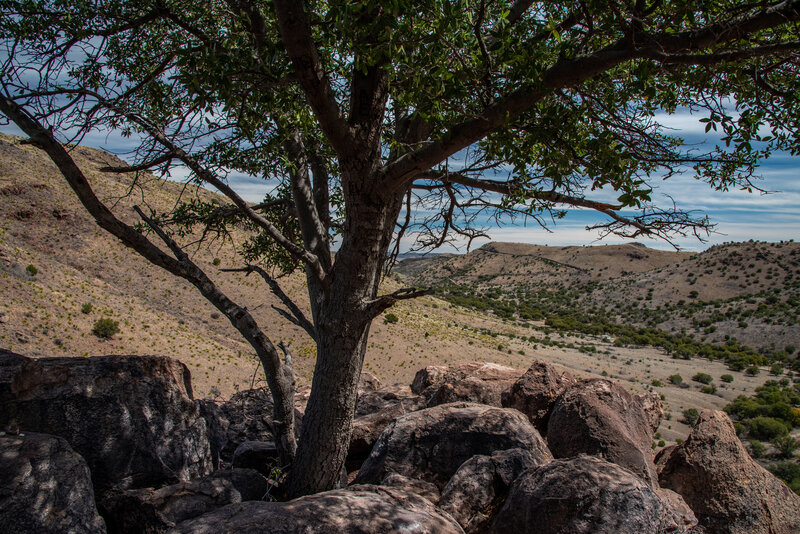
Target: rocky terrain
[{"x": 118, "y": 444}]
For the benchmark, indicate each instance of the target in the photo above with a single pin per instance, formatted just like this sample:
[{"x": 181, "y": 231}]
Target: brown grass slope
[{"x": 746, "y": 290}]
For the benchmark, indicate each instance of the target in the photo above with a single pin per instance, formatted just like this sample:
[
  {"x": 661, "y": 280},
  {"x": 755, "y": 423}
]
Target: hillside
[
  {"x": 76, "y": 264},
  {"x": 749, "y": 291}
]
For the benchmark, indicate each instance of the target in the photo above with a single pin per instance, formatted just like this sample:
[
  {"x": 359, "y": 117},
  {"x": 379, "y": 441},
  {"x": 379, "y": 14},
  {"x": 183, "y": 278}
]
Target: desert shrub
[
  {"x": 709, "y": 389},
  {"x": 390, "y": 318},
  {"x": 703, "y": 378},
  {"x": 757, "y": 449},
  {"x": 786, "y": 445},
  {"x": 766, "y": 428},
  {"x": 690, "y": 416},
  {"x": 752, "y": 370},
  {"x": 87, "y": 308},
  {"x": 32, "y": 270},
  {"x": 676, "y": 379},
  {"x": 216, "y": 261},
  {"x": 726, "y": 378},
  {"x": 656, "y": 383},
  {"x": 105, "y": 328},
  {"x": 776, "y": 369}
]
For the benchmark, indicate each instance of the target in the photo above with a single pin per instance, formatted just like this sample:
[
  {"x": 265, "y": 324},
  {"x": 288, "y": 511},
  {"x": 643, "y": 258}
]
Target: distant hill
[{"x": 750, "y": 291}]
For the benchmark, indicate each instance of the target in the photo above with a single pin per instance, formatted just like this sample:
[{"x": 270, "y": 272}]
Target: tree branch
[
  {"x": 297, "y": 316},
  {"x": 373, "y": 308},
  {"x": 295, "y": 33}
]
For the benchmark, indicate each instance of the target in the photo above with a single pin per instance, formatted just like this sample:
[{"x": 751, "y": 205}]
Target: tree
[{"x": 386, "y": 120}]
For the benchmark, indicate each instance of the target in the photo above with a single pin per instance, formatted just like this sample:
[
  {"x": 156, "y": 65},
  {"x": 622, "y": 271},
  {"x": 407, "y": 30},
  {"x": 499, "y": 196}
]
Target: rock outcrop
[
  {"x": 374, "y": 411},
  {"x": 482, "y": 383},
  {"x": 432, "y": 444},
  {"x": 357, "y": 509},
  {"x": 599, "y": 417},
  {"x": 45, "y": 487},
  {"x": 481, "y": 484},
  {"x": 158, "y": 510},
  {"x": 584, "y": 495},
  {"x": 535, "y": 392},
  {"x": 728, "y": 491},
  {"x": 132, "y": 418}
]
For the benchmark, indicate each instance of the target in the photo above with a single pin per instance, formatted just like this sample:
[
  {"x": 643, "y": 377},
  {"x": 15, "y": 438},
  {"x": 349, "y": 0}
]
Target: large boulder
[
  {"x": 726, "y": 489},
  {"x": 432, "y": 444},
  {"x": 535, "y": 392},
  {"x": 45, "y": 487},
  {"x": 483, "y": 383},
  {"x": 131, "y": 417},
  {"x": 357, "y": 510},
  {"x": 259, "y": 455},
  {"x": 481, "y": 484},
  {"x": 585, "y": 495},
  {"x": 153, "y": 511},
  {"x": 599, "y": 417},
  {"x": 374, "y": 411}
]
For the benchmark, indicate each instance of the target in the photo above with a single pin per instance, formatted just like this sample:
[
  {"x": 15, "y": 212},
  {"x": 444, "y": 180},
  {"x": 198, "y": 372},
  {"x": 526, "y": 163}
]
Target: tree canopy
[{"x": 380, "y": 120}]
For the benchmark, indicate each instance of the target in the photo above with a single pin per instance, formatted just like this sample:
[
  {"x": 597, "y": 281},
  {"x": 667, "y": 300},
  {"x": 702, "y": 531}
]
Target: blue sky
[{"x": 739, "y": 215}]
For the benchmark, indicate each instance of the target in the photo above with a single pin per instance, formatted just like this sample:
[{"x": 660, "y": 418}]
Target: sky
[{"x": 738, "y": 215}]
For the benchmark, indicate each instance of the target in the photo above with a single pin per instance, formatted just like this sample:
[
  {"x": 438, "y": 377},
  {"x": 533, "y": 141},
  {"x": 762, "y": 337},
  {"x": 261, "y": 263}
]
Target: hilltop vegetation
[{"x": 739, "y": 302}]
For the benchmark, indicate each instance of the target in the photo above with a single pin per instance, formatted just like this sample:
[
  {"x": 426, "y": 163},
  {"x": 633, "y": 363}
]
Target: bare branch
[
  {"x": 297, "y": 316},
  {"x": 373, "y": 308}
]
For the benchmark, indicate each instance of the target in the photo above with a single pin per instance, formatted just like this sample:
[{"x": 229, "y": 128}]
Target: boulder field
[{"x": 118, "y": 444}]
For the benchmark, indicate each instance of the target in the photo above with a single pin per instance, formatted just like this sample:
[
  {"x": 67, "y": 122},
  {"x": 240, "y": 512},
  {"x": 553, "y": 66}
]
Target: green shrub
[
  {"x": 676, "y": 379},
  {"x": 87, "y": 308},
  {"x": 703, "y": 378},
  {"x": 691, "y": 416},
  {"x": 216, "y": 262},
  {"x": 776, "y": 369},
  {"x": 786, "y": 445},
  {"x": 105, "y": 328},
  {"x": 766, "y": 428},
  {"x": 709, "y": 389},
  {"x": 726, "y": 378},
  {"x": 656, "y": 383},
  {"x": 32, "y": 270},
  {"x": 752, "y": 370},
  {"x": 789, "y": 472},
  {"x": 757, "y": 449},
  {"x": 390, "y": 318}
]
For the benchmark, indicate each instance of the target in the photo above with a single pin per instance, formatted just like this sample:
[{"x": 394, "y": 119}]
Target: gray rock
[
  {"x": 535, "y": 392},
  {"x": 727, "y": 490},
  {"x": 374, "y": 412},
  {"x": 599, "y": 417},
  {"x": 45, "y": 487},
  {"x": 432, "y": 444},
  {"x": 154, "y": 511},
  {"x": 258, "y": 455},
  {"x": 584, "y": 495},
  {"x": 132, "y": 418},
  {"x": 356, "y": 510},
  {"x": 414, "y": 485},
  {"x": 481, "y": 484}
]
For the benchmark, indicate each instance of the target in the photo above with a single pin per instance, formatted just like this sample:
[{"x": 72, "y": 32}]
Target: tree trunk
[{"x": 342, "y": 326}]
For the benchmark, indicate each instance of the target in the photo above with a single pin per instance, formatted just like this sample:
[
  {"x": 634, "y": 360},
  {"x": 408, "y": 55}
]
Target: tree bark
[{"x": 342, "y": 322}]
